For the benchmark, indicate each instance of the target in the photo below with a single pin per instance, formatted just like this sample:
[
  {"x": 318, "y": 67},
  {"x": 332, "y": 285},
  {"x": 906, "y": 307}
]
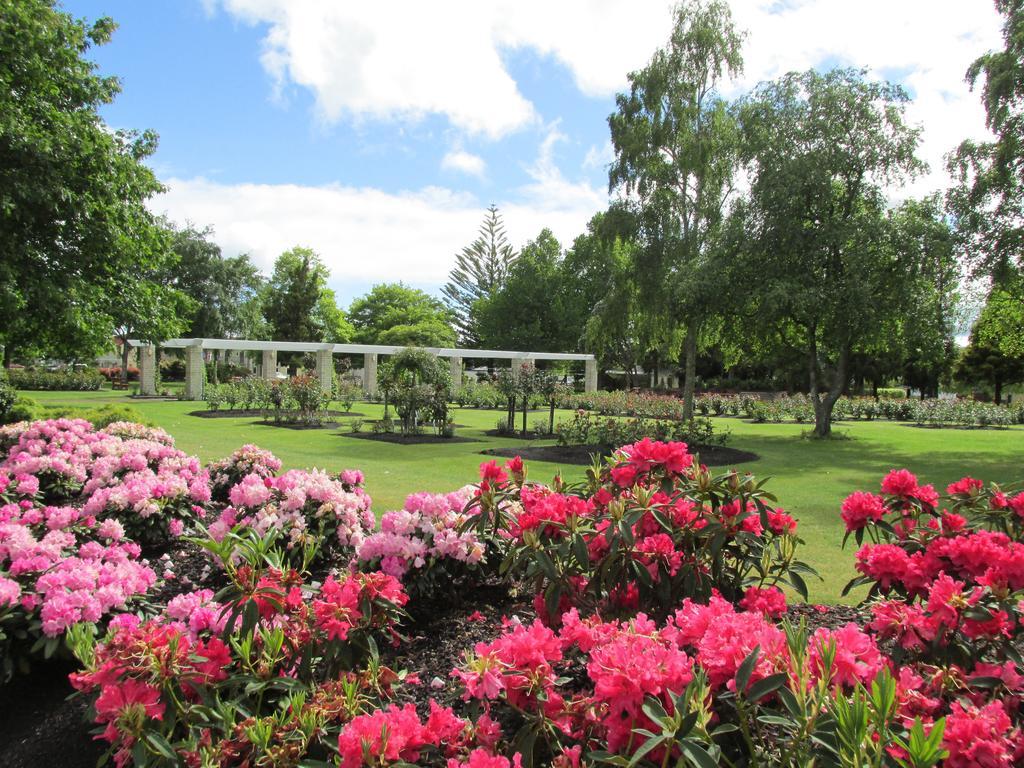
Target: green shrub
[
  {"x": 98, "y": 417},
  {"x": 8, "y": 397},
  {"x": 892, "y": 393},
  {"x": 584, "y": 429},
  {"x": 23, "y": 409},
  {"x": 77, "y": 381}
]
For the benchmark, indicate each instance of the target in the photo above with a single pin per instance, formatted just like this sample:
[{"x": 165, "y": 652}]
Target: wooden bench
[{"x": 118, "y": 384}]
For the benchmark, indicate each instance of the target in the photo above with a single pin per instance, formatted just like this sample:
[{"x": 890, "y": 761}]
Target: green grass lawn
[{"x": 810, "y": 478}]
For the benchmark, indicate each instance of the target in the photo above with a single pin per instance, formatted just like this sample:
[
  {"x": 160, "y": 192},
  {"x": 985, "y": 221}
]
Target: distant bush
[
  {"x": 893, "y": 393},
  {"x": 98, "y": 417},
  {"x": 23, "y": 409},
  {"x": 172, "y": 369},
  {"x": 8, "y": 397},
  {"x": 113, "y": 373},
  {"x": 586, "y": 429},
  {"x": 80, "y": 381}
]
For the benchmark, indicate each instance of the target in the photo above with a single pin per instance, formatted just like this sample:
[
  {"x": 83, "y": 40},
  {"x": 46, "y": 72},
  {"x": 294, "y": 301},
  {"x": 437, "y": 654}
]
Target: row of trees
[
  {"x": 748, "y": 234},
  {"x": 84, "y": 260},
  {"x": 760, "y": 228}
]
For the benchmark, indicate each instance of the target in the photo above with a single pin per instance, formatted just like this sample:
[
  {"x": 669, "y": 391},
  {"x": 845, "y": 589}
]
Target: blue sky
[{"x": 378, "y": 133}]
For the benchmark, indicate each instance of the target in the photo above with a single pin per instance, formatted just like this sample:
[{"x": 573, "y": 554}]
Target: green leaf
[
  {"x": 768, "y": 685},
  {"x": 746, "y": 669}
]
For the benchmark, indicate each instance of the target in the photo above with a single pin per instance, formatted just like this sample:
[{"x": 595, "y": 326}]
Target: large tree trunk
[
  {"x": 690, "y": 368},
  {"x": 124, "y": 360},
  {"x": 997, "y": 393},
  {"x": 8, "y": 355},
  {"x": 823, "y": 405}
]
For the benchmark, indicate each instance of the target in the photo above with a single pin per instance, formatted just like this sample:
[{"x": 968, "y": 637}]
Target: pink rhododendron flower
[{"x": 770, "y": 601}]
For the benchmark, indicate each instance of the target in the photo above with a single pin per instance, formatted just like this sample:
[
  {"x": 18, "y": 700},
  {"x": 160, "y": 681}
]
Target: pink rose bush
[{"x": 424, "y": 544}]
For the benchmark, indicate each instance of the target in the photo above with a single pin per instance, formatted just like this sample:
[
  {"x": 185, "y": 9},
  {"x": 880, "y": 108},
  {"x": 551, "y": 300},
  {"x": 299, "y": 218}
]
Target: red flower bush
[
  {"x": 947, "y": 574},
  {"x": 280, "y": 630},
  {"x": 651, "y": 529}
]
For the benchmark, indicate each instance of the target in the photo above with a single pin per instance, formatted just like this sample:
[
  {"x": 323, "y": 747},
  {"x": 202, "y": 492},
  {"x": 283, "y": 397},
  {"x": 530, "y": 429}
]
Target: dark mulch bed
[
  {"x": 41, "y": 727},
  {"x": 239, "y": 413},
  {"x": 528, "y": 436},
  {"x": 299, "y": 425},
  {"x": 439, "y": 632},
  {"x": 399, "y": 439},
  {"x": 712, "y": 455}
]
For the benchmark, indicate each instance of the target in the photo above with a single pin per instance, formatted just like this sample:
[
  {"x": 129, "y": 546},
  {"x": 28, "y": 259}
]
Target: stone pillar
[
  {"x": 370, "y": 373},
  {"x": 270, "y": 364},
  {"x": 195, "y": 372},
  {"x": 590, "y": 376},
  {"x": 147, "y": 370},
  {"x": 325, "y": 368},
  {"x": 456, "y": 368}
]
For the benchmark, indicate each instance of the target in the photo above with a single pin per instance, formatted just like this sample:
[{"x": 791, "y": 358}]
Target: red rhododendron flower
[
  {"x": 392, "y": 734},
  {"x": 980, "y": 737},
  {"x": 899, "y": 482},
  {"x": 122, "y": 706},
  {"x": 857, "y": 658},
  {"x": 770, "y": 601},
  {"x": 861, "y": 508},
  {"x": 492, "y": 472},
  {"x": 965, "y": 486}
]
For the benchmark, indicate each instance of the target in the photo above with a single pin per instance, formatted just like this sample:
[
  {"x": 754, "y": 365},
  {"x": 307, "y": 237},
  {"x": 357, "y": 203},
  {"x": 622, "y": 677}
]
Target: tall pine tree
[{"x": 479, "y": 271}]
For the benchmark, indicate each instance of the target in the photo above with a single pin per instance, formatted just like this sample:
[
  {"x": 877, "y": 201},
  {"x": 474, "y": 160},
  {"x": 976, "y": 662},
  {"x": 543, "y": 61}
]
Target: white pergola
[{"x": 194, "y": 362}]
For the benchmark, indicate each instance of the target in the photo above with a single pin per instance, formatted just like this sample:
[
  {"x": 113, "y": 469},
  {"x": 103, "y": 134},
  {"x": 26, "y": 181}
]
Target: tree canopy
[
  {"x": 297, "y": 303},
  {"x": 675, "y": 140},
  {"x": 480, "y": 270},
  {"x": 819, "y": 258},
  {"x": 395, "y": 314},
  {"x": 75, "y": 232}
]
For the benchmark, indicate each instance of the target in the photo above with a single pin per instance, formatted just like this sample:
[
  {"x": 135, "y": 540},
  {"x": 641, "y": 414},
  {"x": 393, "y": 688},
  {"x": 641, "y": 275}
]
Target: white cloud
[
  {"x": 464, "y": 162},
  {"x": 926, "y": 44},
  {"x": 402, "y": 60},
  {"x": 599, "y": 156},
  {"x": 366, "y": 234}
]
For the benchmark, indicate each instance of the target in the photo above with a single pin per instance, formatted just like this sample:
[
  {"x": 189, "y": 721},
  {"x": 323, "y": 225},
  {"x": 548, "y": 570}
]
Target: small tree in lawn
[{"x": 417, "y": 380}]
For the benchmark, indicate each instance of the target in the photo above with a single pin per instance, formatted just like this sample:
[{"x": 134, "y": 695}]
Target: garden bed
[
  {"x": 242, "y": 413},
  {"x": 43, "y": 727},
  {"x": 400, "y": 439},
  {"x": 530, "y": 434},
  {"x": 711, "y": 455}
]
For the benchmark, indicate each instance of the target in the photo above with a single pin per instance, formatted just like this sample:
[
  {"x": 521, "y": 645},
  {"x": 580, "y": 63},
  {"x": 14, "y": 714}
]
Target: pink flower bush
[
  {"x": 129, "y": 472},
  {"x": 422, "y": 543},
  {"x": 247, "y": 460},
  {"x": 60, "y": 567},
  {"x": 303, "y": 506}
]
